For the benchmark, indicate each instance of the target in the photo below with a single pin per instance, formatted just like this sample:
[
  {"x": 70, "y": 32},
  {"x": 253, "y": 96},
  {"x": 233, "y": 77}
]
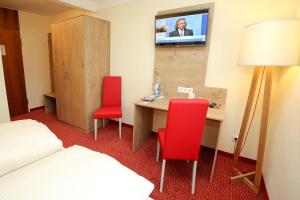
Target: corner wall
[
  {"x": 34, "y": 29},
  {"x": 282, "y": 157}
]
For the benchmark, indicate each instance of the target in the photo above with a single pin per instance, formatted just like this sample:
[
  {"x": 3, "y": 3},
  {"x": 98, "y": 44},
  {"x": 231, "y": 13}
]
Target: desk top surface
[
  {"x": 50, "y": 94},
  {"x": 163, "y": 104}
]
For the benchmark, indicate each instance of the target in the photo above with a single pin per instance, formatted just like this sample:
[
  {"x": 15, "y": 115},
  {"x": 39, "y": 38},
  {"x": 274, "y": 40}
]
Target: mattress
[
  {"x": 23, "y": 142},
  {"x": 75, "y": 173}
]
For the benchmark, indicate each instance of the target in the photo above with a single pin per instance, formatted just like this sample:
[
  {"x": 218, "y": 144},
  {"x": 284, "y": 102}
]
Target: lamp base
[
  {"x": 246, "y": 178},
  {"x": 253, "y": 179}
]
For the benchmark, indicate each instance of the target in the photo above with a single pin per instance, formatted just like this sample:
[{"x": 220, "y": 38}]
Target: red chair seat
[{"x": 108, "y": 112}]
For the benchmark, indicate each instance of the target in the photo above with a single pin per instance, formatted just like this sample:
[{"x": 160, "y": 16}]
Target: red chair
[
  {"x": 181, "y": 138},
  {"x": 111, "y": 102}
]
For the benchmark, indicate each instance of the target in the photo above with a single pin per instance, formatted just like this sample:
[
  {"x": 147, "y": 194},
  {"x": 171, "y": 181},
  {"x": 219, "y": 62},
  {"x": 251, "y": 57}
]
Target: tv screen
[{"x": 189, "y": 28}]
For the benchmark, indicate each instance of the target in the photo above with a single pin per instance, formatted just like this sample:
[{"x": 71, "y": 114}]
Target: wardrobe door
[
  {"x": 68, "y": 56},
  {"x": 59, "y": 68},
  {"x": 97, "y": 40}
]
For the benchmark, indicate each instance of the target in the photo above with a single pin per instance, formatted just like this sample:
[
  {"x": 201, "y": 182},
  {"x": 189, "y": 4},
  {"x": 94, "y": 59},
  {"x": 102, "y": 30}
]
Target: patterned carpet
[{"x": 177, "y": 183}]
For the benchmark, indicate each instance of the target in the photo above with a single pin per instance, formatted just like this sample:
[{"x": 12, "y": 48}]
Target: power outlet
[
  {"x": 189, "y": 90},
  {"x": 180, "y": 89},
  {"x": 185, "y": 90}
]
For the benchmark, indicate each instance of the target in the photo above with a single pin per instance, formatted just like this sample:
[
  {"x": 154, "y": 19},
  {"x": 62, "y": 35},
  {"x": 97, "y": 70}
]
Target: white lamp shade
[{"x": 271, "y": 43}]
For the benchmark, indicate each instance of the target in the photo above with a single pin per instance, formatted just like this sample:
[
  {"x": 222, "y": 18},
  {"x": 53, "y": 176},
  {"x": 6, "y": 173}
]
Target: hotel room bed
[
  {"x": 57, "y": 173},
  {"x": 23, "y": 142}
]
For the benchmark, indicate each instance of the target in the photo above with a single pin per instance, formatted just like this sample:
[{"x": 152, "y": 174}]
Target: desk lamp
[{"x": 265, "y": 45}]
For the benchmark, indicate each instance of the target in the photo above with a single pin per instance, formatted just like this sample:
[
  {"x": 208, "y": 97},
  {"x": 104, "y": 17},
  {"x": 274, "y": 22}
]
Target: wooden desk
[{"x": 149, "y": 116}]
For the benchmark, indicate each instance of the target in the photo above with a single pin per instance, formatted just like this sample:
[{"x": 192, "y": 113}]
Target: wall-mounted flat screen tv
[{"x": 180, "y": 29}]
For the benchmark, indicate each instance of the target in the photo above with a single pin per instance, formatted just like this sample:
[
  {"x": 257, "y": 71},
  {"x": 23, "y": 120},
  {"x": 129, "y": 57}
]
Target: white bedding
[
  {"x": 23, "y": 142},
  {"x": 75, "y": 173}
]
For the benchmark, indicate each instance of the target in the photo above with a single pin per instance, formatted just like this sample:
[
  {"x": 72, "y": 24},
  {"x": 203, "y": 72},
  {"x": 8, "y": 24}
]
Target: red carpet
[{"x": 178, "y": 175}]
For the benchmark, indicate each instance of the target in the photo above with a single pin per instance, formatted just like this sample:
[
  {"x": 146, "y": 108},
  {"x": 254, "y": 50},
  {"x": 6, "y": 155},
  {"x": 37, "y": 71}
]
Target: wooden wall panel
[
  {"x": 216, "y": 95},
  {"x": 180, "y": 66},
  {"x": 186, "y": 66}
]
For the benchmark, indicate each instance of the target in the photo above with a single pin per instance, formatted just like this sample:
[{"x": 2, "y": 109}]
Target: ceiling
[
  {"x": 54, "y": 7},
  {"x": 42, "y": 7},
  {"x": 94, "y": 5}
]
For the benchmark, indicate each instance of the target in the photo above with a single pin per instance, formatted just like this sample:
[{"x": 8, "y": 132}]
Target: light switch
[
  {"x": 185, "y": 90},
  {"x": 189, "y": 90}
]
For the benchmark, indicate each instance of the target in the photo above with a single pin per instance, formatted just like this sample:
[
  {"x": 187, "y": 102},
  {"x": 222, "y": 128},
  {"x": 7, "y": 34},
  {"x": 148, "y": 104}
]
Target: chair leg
[
  {"x": 157, "y": 150},
  {"x": 120, "y": 128},
  {"x": 162, "y": 175},
  {"x": 194, "y": 176},
  {"x": 95, "y": 128}
]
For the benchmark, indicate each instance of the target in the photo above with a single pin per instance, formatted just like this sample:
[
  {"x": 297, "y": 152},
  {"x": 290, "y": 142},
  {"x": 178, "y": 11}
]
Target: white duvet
[
  {"x": 23, "y": 142},
  {"x": 75, "y": 173}
]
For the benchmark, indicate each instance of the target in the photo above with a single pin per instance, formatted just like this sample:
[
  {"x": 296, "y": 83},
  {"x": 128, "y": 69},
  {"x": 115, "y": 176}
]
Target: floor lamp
[{"x": 265, "y": 45}]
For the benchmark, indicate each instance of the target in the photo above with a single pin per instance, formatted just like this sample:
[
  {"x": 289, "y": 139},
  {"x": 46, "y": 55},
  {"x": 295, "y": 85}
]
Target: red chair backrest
[
  {"x": 111, "y": 91},
  {"x": 185, "y": 123}
]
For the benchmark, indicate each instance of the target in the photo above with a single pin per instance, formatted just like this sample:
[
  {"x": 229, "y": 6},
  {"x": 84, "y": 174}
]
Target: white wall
[
  {"x": 34, "y": 29},
  {"x": 132, "y": 53},
  {"x": 4, "y": 112},
  {"x": 282, "y": 157}
]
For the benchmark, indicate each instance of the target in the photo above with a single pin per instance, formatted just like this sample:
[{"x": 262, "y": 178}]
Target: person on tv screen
[{"x": 180, "y": 29}]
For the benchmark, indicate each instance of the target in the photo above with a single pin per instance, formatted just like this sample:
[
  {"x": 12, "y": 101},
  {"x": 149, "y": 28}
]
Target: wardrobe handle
[{"x": 66, "y": 76}]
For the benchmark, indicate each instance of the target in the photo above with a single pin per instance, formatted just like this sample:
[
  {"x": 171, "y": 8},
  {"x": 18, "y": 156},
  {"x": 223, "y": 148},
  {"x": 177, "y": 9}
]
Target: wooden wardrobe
[{"x": 80, "y": 47}]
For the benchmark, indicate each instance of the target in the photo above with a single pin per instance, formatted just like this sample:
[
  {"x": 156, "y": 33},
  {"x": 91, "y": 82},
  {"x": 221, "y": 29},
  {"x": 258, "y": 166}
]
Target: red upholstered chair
[
  {"x": 181, "y": 138},
  {"x": 111, "y": 102}
]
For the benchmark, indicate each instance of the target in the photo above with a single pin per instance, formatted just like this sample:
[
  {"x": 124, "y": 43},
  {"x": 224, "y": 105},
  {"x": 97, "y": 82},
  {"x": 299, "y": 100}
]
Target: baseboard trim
[
  {"x": 36, "y": 108},
  {"x": 265, "y": 195},
  {"x": 263, "y": 191},
  {"x": 127, "y": 125},
  {"x": 241, "y": 158},
  {"x": 230, "y": 155}
]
